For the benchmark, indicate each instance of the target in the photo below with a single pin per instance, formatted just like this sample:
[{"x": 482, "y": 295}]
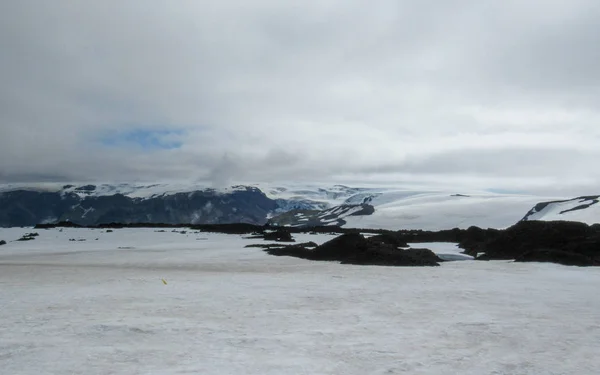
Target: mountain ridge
[{"x": 287, "y": 205}]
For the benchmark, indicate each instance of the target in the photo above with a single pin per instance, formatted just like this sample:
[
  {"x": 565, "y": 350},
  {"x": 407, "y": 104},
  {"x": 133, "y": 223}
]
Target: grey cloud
[{"x": 311, "y": 90}]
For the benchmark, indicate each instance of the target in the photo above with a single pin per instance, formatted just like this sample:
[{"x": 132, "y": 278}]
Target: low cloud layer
[{"x": 482, "y": 94}]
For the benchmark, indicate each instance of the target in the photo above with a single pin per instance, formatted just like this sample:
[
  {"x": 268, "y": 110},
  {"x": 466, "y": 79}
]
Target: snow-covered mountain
[
  {"x": 95, "y": 204},
  {"x": 583, "y": 209},
  {"x": 173, "y": 203},
  {"x": 418, "y": 209},
  {"x": 289, "y": 204}
]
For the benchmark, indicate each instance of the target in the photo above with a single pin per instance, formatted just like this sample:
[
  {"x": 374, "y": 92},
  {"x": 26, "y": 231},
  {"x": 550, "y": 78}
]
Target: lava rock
[
  {"x": 28, "y": 237},
  {"x": 60, "y": 224},
  {"x": 561, "y": 237},
  {"x": 280, "y": 235},
  {"x": 556, "y": 256},
  {"x": 279, "y": 246},
  {"x": 390, "y": 239},
  {"x": 353, "y": 248}
]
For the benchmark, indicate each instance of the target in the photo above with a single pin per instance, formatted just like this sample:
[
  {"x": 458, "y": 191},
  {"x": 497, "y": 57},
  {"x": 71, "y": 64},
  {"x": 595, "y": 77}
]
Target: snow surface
[
  {"x": 128, "y": 189},
  {"x": 555, "y": 211},
  {"x": 397, "y": 208},
  {"x": 100, "y": 307},
  {"x": 441, "y": 210}
]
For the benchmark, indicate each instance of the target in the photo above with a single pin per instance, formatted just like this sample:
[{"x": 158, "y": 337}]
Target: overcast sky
[{"x": 489, "y": 94}]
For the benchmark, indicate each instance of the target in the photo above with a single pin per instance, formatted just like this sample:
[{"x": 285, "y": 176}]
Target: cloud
[{"x": 480, "y": 92}]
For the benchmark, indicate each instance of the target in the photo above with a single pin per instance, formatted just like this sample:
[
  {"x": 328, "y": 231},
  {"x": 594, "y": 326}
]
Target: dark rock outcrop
[
  {"x": 2, "y": 242},
  {"x": 280, "y": 235},
  {"x": 28, "y": 237},
  {"x": 556, "y": 256},
  {"x": 353, "y": 248},
  {"x": 333, "y": 216},
  {"x": 278, "y": 246},
  {"x": 543, "y": 240},
  {"x": 390, "y": 239}
]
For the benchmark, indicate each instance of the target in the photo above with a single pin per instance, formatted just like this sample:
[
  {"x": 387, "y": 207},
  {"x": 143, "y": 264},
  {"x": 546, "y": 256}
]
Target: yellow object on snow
[{"x": 164, "y": 281}]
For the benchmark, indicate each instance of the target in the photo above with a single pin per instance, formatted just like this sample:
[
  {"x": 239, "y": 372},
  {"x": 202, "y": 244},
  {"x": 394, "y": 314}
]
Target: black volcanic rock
[
  {"x": 280, "y": 235},
  {"x": 556, "y": 256},
  {"x": 554, "y": 238},
  {"x": 61, "y": 224},
  {"x": 28, "y": 237},
  {"x": 389, "y": 238},
  {"x": 234, "y": 228},
  {"x": 353, "y": 248},
  {"x": 278, "y": 246}
]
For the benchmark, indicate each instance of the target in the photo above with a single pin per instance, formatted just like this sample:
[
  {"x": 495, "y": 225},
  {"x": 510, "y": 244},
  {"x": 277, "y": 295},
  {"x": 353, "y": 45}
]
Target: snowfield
[
  {"x": 101, "y": 307},
  {"x": 584, "y": 209},
  {"x": 441, "y": 210}
]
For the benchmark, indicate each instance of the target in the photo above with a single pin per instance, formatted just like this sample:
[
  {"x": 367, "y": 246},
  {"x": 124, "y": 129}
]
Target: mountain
[
  {"x": 88, "y": 204},
  {"x": 583, "y": 209},
  {"x": 416, "y": 209},
  {"x": 332, "y": 216},
  {"x": 286, "y": 205},
  {"x": 91, "y": 204}
]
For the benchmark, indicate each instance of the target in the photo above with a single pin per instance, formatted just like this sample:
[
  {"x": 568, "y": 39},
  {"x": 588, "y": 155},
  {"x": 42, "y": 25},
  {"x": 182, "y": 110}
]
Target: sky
[{"x": 483, "y": 94}]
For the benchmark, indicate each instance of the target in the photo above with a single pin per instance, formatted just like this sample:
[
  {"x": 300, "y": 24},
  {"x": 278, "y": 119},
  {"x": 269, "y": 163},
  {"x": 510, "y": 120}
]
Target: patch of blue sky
[{"x": 147, "y": 139}]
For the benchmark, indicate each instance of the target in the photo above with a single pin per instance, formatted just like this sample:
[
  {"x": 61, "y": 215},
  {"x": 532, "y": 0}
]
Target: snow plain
[
  {"x": 100, "y": 307},
  {"x": 441, "y": 210}
]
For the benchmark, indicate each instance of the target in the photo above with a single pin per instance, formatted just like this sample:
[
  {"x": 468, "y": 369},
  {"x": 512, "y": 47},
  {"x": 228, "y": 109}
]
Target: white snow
[
  {"x": 128, "y": 189},
  {"x": 93, "y": 308},
  {"x": 445, "y": 250},
  {"x": 441, "y": 210},
  {"x": 552, "y": 211}
]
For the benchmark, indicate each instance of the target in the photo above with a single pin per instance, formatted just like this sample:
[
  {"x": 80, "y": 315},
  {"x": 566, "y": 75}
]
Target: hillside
[{"x": 583, "y": 209}]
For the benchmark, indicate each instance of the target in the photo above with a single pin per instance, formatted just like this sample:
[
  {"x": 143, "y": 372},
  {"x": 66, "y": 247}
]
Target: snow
[
  {"x": 327, "y": 195},
  {"x": 128, "y": 189},
  {"x": 445, "y": 250},
  {"x": 98, "y": 307},
  {"x": 441, "y": 210},
  {"x": 552, "y": 211}
]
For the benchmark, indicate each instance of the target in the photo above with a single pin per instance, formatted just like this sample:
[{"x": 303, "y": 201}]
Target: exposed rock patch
[
  {"x": 555, "y": 256},
  {"x": 280, "y": 235},
  {"x": 353, "y": 248},
  {"x": 28, "y": 237},
  {"x": 540, "y": 241}
]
